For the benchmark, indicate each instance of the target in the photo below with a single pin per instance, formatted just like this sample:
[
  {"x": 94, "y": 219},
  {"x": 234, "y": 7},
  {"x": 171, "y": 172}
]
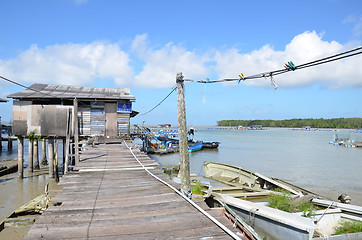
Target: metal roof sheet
[{"x": 37, "y": 91}]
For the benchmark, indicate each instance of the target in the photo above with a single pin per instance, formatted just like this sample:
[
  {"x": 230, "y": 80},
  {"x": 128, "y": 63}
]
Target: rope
[
  {"x": 173, "y": 89},
  {"x": 225, "y": 229}
]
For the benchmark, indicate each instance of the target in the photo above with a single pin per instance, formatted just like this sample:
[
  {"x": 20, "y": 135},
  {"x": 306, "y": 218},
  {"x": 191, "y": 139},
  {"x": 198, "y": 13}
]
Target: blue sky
[{"x": 142, "y": 45}]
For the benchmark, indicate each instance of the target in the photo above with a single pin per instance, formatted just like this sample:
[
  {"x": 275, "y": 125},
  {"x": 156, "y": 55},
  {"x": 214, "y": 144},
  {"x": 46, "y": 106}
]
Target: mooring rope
[{"x": 220, "y": 225}]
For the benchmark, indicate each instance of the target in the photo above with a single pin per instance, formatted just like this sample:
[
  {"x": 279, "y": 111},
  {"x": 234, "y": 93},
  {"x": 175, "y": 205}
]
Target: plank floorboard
[{"x": 110, "y": 197}]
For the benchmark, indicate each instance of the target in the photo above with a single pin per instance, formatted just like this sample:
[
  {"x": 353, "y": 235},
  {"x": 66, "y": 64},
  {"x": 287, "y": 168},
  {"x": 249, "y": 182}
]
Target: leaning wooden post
[
  {"x": 43, "y": 152},
  {"x": 21, "y": 157},
  {"x": 36, "y": 154},
  {"x": 183, "y": 143},
  {"x": 51, "y": 156},
  {"x": 75, "y": 132},
  {"x": 31, "y": 157}
]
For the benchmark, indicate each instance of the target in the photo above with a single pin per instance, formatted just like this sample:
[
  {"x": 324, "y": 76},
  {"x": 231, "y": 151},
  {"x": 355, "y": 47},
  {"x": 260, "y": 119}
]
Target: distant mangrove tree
[{"x": 298, "y": 123}]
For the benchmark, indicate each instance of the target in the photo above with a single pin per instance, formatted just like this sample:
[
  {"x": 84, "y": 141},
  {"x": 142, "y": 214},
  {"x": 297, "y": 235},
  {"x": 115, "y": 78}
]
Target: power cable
[
  {"x": 285, "y": 70},
  {"x": 173, "y": 89},
  {"x": 21, "y": 85}
]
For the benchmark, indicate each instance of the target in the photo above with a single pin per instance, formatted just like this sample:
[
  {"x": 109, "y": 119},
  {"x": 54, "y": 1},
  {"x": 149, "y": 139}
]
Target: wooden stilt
[
  {"x": 63, "y": 153},
  {"x": 76, "y": 134},
  {"x": 67, "y": 141},
  {"x": 43, "y": 152},
  {"x": 51, "y": 156},
  {"x": 36, "y": 154},
  {"x": 56, "y": 173},
  {"x": 10, "y": 144},
  {"x": 21, "y": 157},
  {"x": 31, "y": 157}
]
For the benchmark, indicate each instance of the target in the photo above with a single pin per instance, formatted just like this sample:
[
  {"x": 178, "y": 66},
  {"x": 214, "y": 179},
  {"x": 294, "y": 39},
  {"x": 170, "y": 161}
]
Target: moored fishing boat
[
  {"x": 248, "y": 180},
  {"x": 210, "y": 145},
  {"x": 271, "y": 223},
  {"x": 317, "y": 219},
  {"x": 195, "y": 147}
]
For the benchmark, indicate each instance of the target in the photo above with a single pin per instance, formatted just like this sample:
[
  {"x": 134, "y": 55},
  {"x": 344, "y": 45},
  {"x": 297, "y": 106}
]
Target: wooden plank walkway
[{"x": 110, "y": 197}]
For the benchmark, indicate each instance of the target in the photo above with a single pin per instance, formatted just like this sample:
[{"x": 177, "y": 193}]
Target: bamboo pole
[
  {"x": 20, "y": 157},
  {"x": 51, "y": 156},
  {"x": 31, "y": 157},
  {"x": 43, "y": 152},
  {"x": 183, "y": 143}
]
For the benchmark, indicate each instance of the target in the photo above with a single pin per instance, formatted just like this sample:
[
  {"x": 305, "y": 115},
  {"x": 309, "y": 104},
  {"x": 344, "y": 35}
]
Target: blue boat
[{"x": 195, "y": 147}]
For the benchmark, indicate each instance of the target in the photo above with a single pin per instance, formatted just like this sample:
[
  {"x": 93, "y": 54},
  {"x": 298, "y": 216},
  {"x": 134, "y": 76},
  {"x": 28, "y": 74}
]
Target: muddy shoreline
[{"x": 16, "y": 192}]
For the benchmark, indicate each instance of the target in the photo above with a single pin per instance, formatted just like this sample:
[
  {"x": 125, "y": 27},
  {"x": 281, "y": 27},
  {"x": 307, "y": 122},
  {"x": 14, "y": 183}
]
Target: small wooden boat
[
  {"x": 195, "y": 147},
  {"x": 248, "y": 180},
  {"x": 210, "y": 145},
  {"x": 8, "y": 169},
  {"x": 270, "y": 223}
]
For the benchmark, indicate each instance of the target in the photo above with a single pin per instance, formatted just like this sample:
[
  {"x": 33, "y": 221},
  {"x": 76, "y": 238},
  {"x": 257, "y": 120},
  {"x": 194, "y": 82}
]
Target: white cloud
[
  {"x": 151, "y": 67},
  {"x": 161, "y": 65},
  {"x": 69, "y": 64},
  {"x": 303, "y": 48}
]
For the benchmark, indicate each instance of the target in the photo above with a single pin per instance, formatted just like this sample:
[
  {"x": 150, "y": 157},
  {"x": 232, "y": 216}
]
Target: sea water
[{"x": 303, "y": 158}]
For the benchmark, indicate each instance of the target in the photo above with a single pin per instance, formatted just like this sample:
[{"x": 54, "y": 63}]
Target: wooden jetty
[{"x": 110, "y": 196}]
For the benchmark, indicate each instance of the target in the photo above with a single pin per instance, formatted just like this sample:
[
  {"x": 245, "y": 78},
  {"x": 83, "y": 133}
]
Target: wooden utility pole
[
  {"x": 183, "y": 142},
  {"x": 76, "y": 135},
  {"x": 20, "y": 157}
]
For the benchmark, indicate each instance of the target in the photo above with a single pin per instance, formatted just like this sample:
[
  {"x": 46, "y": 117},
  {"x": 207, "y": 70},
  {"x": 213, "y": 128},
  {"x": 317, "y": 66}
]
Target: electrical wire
[
  {"x": 173, "y": 89},
  {"x": 21, "y": 85},
  {"x": 332, "y": 58}
]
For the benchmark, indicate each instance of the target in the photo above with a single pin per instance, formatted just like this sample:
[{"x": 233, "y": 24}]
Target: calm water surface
[{"x": 303, "y": 158}]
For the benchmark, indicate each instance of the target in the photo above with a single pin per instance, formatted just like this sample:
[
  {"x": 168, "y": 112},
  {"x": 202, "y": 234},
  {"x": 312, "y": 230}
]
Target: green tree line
[{"x": 297, "y": 123}]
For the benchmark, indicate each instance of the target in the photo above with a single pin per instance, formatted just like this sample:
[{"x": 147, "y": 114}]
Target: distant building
[{"x": 48, "y": 110}]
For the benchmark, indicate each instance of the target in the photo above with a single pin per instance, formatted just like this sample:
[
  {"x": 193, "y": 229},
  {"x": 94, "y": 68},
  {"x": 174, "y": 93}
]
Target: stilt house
[{"x": 52, "y": 110}]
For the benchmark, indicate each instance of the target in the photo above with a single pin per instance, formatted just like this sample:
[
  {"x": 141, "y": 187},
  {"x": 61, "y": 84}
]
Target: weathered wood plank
[{"x": 121, "y": 204}]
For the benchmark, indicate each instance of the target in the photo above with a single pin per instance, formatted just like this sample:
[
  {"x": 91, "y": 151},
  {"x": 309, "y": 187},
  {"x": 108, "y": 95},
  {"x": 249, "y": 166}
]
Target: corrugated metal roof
[{"x": 37, "y": 91}]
